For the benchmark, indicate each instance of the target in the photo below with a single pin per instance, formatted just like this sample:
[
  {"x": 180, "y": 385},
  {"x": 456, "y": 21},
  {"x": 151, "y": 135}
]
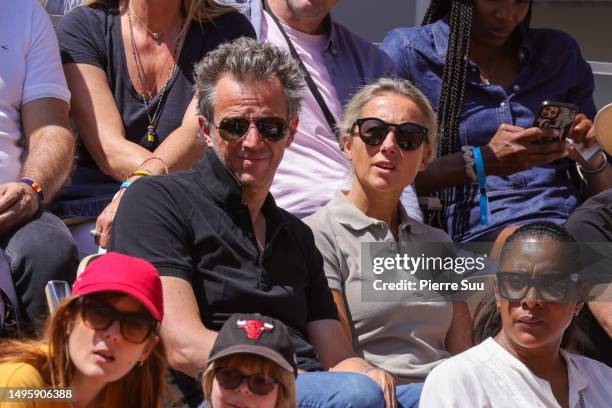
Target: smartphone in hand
[{"x": 555, "y": 119}]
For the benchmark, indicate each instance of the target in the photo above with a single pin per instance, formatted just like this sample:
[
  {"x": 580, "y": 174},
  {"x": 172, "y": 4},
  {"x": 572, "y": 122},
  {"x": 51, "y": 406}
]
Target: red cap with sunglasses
[
  {"x": 255, "y": 334},
  {"x": 116, "y": 272}
]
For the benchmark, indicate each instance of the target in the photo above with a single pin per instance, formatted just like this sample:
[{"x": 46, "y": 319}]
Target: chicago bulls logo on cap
[{"x": 254, "y": 328}]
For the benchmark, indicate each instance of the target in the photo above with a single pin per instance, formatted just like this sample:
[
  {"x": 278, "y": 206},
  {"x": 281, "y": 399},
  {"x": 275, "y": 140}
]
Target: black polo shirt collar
[
  {"x": 226, "y": 190},
  {"x": 216, "y": 178}
]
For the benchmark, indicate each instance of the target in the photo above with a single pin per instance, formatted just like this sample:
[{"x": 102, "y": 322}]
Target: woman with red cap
[{"x": 101, "y": 348}]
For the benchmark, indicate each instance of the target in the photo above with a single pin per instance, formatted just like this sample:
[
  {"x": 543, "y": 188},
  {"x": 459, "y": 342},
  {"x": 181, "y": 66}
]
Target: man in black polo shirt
[{"x": 222, "y": 245}]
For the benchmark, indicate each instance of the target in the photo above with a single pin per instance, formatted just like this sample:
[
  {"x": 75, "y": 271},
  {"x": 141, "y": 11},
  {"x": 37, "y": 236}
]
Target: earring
[
  {"x": 576, "y": 313},
  {"x": 140, "y": 363}
]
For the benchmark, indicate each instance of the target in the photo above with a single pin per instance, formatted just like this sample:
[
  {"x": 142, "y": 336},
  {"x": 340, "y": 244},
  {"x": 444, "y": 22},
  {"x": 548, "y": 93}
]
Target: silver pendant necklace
[{"x": 154, "y": 34}]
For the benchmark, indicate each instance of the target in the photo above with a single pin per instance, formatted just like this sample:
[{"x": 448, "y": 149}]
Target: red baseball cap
[{"x": 116, "y": 272}]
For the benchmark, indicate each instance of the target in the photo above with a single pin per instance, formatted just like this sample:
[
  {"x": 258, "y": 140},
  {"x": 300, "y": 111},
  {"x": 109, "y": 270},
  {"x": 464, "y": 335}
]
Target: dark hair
[
  {"x": 542, "y": 229},
  {"x": 450, "y": 102},
  {"x": 487, "y": 319}
]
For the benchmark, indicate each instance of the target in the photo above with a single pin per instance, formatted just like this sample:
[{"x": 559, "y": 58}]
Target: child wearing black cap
[{"x": 251, "y": 364}]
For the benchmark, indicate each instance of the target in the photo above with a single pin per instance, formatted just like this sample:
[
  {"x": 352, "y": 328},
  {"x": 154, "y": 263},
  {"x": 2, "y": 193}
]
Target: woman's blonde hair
[
  {"x": 378, "y": 87},
  {"x": 143, "y": 386},
  {"x": 198, "y": 10},
  {"x": 286, "y": 381}
]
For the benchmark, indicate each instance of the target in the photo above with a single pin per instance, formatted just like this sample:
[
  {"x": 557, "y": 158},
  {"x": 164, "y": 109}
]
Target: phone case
[
  {"x": 556, "y": 119},
  {"x": 56, "y": 290}
]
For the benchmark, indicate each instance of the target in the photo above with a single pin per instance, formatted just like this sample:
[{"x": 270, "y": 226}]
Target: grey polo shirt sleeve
[{"x": 321, "y": 226}]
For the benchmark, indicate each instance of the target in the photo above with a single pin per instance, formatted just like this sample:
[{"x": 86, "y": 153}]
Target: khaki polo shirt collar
[{"x": 347, "y": 214}]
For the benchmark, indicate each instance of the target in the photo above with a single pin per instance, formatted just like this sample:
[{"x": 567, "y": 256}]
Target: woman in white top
[
  {"x": 388, "y": 134},
  {"x": 524, "y": 364}
]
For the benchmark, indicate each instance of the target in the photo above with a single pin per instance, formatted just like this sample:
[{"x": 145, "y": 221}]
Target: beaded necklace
[{"x": 151, "y": 133}]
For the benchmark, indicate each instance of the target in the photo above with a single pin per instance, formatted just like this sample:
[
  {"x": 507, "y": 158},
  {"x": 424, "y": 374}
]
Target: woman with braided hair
[{"x": 487, "y": 72}]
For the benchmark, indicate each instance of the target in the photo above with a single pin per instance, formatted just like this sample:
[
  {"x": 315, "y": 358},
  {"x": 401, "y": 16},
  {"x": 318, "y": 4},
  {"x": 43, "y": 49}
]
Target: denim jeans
[
  {"x": 39, "y": 251},
  {"x": 348, "y": 390},
  {"x": 408, "y": 395},
  {"x": 338, "y": 390}
]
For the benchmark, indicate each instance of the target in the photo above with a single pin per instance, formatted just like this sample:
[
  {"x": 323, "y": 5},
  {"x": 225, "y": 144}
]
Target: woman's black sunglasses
[
  {"x": 230, "y": 379},
  {"x": 373, "y": 131},
  {"x": 551, "y": 287},
  {"x": 99, "y": 315},
  {"x": 233, "y": 129}
]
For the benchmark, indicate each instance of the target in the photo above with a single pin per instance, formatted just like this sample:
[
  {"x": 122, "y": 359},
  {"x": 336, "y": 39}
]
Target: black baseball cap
[{"x": 255, "y": 334}]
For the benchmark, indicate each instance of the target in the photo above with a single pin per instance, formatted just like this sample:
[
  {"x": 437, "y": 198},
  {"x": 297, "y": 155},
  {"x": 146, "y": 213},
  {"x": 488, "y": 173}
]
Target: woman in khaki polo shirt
[{"x": 388, "y": 134}]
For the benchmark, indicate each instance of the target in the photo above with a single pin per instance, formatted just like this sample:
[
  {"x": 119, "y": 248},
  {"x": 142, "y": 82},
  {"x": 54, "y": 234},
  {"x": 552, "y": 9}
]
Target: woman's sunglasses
[
  {"x": 99, "y": 315},
  {"x": 233, "y": 129},
  {"x": 552, "y": 287},
  {"x": 230, "y": 379},
  {"x": 373, "y": 131}
]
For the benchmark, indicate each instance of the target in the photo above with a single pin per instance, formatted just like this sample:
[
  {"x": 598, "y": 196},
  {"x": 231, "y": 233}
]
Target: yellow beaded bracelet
[{"x": 140, "y": 172}]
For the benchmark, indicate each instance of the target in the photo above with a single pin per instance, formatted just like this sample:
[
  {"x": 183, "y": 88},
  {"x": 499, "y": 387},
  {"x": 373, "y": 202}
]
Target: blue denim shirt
[{"x": 551, "y": 67}]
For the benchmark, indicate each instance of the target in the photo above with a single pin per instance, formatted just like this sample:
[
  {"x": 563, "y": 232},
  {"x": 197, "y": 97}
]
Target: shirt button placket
[{"x": 504, "y": 112}]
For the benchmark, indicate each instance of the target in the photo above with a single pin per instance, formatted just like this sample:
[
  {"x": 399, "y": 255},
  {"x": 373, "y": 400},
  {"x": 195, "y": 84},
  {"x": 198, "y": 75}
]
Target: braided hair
[{"x": 450, "y": 103}]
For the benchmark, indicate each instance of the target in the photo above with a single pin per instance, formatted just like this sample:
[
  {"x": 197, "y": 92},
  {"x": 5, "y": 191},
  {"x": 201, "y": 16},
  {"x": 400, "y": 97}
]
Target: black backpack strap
[{"x": 331, "y": 121}]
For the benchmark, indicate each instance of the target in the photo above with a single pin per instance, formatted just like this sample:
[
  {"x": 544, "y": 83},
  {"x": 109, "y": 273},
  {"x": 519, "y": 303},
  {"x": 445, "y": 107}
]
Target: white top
[
  {"x": 30, "y": 69},
  {"x": 489, "y": 376}
]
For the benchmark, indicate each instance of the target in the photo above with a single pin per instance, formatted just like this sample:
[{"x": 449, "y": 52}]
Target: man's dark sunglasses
[
  {"x": 230, "y": 379},
  {"x": 373, "y": 131},
  {"x": 233, "y": 129},
  {"x": 135, "y": 327},
  {"x": 552, "y": 287}
]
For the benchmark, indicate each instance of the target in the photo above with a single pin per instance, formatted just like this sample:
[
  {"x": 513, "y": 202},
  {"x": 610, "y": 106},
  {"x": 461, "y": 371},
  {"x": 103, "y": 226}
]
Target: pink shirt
[{"x": 313, "y": 168}]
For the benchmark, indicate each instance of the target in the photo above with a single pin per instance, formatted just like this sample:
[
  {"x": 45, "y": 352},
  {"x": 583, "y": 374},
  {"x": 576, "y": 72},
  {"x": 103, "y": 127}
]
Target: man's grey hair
[
  {"x": 380, "y": 86},
  {"x": 247, "y": 61}
]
